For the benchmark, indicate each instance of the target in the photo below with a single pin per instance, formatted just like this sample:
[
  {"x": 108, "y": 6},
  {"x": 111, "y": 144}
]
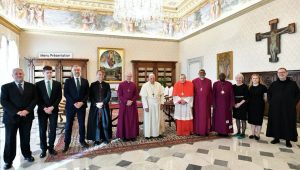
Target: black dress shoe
[
  {"x": 96, "y": 143},
  {"x": 7, "y": 165},
  {"x": 30, "y": 159},
  {"x": 52, "y": 152},
  {"x": 288, "y": 144},
  {"x": 66, "y": 148},
  {"x": 84, "y": 144},
  {"x": 125, "y": 140},
  {"x": 251, "y": 136},
  {"x": 43, "y": 154},
  {"x": 256, "y": 137},
  {"x": 274, "y": 141}
]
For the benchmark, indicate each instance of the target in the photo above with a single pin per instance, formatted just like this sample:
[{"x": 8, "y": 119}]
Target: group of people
[
  {"x": 282, "y": 97},
  {"x": 200, "y": 108}
]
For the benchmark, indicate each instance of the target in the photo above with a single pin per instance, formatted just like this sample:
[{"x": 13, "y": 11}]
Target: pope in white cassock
[{"x": 152, "y": 94}]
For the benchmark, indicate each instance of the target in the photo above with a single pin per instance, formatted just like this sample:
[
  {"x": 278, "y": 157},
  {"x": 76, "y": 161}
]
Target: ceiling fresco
[{"x": 180, "y": 17}]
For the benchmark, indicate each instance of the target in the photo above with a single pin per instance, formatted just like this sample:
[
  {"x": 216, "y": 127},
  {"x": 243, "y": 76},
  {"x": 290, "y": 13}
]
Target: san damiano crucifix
[{"x": 274, "y": 38}]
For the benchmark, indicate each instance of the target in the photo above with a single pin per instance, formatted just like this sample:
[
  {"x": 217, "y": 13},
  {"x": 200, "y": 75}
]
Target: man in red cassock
[{"x": 183, "y": 101}]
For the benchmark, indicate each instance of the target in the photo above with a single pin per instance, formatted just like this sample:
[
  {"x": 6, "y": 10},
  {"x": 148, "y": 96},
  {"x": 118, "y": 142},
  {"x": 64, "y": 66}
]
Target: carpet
[{"x": 118, "y": 146}]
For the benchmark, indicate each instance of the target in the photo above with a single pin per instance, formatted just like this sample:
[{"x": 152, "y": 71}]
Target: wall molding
[{"x": 10, "y": 25}]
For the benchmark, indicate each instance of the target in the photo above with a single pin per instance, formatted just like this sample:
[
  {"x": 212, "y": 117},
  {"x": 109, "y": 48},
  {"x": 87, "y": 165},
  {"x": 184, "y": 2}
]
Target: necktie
[
  {"x": 21, "y": 90},
  {"x": 48, "y": 88},
  {"x": 78, "y": 85}
]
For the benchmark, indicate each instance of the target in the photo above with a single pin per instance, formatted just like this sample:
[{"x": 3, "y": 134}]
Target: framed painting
[
  {"x": 111, "y": 61},
  {"x": 225, "y": 64}
]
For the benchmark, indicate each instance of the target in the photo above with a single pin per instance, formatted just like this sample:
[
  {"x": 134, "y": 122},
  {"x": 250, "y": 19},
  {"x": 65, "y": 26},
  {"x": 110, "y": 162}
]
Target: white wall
[
  {"x": 85, "y": 46},
  {"x": 238, "y": 35}
]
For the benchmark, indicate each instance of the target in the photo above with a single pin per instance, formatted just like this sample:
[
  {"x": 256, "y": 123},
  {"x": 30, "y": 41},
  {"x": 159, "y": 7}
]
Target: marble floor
[{"x": 225, "y": 153}]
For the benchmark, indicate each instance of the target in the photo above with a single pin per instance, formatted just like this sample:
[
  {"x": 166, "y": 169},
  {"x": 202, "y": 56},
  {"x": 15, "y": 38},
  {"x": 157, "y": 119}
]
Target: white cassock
[
  {"x": 183, "y": 112},
  {"x": 152, "y": 97}
]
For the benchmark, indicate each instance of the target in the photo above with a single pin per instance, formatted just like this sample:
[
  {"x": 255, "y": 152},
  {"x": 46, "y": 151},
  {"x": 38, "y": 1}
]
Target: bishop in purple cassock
[
  {"x": 202, "y": 104},
  {"x": 223, "y": 102},
  {"x": 128, "y": 121}
]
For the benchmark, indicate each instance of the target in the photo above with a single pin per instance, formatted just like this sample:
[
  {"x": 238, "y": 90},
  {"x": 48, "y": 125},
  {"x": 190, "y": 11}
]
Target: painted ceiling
[{"x": 181, "y": 18}]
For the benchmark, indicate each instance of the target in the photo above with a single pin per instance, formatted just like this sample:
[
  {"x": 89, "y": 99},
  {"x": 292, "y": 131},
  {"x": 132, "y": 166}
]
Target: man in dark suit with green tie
[
  {"x": 50, "y": 94},
  {"x": 18, "y": 99},
  {"x": 76, "y": 92}
]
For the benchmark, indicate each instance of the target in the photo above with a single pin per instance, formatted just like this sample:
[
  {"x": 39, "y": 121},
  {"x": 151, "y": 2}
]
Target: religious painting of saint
[
  {"x": 111, "y": 60},
  {"x": 225, "y": 64}
]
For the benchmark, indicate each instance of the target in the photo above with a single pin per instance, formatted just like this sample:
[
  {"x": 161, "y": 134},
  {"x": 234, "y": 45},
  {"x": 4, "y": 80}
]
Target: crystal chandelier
[{"x": 137, "y": 10}]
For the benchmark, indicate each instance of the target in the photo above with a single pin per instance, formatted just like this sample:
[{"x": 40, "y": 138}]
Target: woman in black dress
[
  {"x": 256, "y": 105},
  {"x": 240, "y": 108}
]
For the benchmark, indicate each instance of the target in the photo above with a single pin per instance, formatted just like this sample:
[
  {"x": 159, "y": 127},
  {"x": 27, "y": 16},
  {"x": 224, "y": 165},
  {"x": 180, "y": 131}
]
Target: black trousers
[
  {"x": 43, "y": 125},
  {"x": 69, "y": 124},
  {"x": 24, "y": 127}
]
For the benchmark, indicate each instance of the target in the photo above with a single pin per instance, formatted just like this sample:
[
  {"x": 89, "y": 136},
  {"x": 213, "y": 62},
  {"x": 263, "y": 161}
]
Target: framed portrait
[
  {"x": 225, "y": 64},
  {"x": 111, "y": 61}
]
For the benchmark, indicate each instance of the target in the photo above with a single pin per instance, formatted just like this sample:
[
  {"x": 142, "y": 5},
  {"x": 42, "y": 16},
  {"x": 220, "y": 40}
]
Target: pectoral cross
[{"x": 274, "y": 38}]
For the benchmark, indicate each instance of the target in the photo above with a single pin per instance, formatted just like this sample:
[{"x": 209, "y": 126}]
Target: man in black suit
[
  {"x": 50, "y": 94},
  {"x": 76, "y": 92},
  {"x": 18, "y": 99}
]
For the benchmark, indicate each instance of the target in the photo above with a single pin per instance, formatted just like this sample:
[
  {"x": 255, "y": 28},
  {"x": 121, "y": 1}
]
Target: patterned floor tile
[
  {"x": 203, "y": 151},
  {"x": 244, "y": 144},
  {"x": 286, "y": 150},
  {"x": 262, "y": 141},
  {"x": 94, "y": 167},
  {"x": 221, "y": 162},
  {"x": 123, "y": 163},
  {"x": 269, "y": 154},
  {"x": 245, "y": 158},
  {"x": 224, "y": 147},
  {"x": 152, "y": 159},
  {"x": 293, "y": 166},
  {"x": 193, "y": 167},
  {"x": 179, "y": 155}
]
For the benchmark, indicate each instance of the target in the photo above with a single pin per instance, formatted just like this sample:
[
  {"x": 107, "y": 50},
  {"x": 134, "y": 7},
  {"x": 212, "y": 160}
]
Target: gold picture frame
[
  {"x": 225, "y": 64},
  {"x": 111, "y": 61}
]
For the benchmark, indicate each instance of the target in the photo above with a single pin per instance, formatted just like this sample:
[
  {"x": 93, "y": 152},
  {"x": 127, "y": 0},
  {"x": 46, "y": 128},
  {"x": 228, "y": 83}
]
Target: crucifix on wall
[{"x": 274, "y": 38}]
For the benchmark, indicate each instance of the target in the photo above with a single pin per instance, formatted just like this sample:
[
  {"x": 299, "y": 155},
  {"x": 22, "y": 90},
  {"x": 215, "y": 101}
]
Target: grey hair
[
  {"x": 151, "y": 74},
  {"x": 17, "y": 69},
  {"x": 240, "y": 75},
  {"x": 182, "y": 75}
]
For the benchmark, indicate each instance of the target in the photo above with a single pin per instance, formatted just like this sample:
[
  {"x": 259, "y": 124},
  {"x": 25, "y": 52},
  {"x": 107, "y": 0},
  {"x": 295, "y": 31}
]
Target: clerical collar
[{"x": 255, "y": 84}]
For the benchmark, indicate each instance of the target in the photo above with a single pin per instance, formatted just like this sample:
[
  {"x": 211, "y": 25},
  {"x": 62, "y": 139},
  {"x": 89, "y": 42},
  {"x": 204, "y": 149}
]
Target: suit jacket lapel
[
  {"x": 44, "y": 91},
  {"x": 17, "y": 88},
  {"x": 74, "y": 85}
]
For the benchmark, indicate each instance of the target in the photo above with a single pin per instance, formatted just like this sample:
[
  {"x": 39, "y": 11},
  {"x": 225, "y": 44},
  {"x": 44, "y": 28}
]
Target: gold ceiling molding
[
  {"x": 188, "y": 6},
  {"x": 10, "y": 25},
  {"x": 107, "y": 6},
  {"x": 102, "y": 7}
]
